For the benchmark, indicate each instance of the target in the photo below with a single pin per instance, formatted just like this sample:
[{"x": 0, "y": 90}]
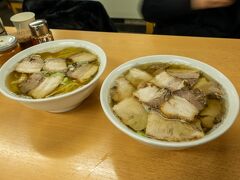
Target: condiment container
[
  {"x": 21, "y": 22},
  {"x": 8, "y": 47},
  {"x": 2, "y": 29},
  {"x": 40, "y": 32}
]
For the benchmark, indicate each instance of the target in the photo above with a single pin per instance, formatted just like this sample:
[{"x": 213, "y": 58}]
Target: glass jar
[
  {"x": 23, "y": 33},
  {"x": 24, "y": 38},
  {"x": 2, "y": 29},
  {"x": 40, "y": 32},
  {"x": 8, "y": 48}
]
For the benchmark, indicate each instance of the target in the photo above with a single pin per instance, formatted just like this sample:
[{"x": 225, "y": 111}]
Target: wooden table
[{"x": 83, "y": 144}]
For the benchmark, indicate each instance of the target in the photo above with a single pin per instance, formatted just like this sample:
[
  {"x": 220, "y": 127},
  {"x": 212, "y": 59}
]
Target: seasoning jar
[
  {"x": 2, "y": 29},
  {"x": 23, "y": 33},
  {"x": 8, "y": 47},
  {"x": 40, "y": 32}
]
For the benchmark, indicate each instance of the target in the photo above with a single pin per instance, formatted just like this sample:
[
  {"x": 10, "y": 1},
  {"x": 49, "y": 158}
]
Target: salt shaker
[{"x": 40, "y": 32}]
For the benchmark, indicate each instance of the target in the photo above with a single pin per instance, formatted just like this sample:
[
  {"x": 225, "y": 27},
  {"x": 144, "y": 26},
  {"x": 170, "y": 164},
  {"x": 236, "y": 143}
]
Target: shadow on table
[
  {"x": 65, "y": 134},
  {"x": 214, "y": 160}
]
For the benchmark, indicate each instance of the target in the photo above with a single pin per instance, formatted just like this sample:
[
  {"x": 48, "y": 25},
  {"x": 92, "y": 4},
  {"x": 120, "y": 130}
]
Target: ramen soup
[
  {"x": 168, "y": 102},
  {"x": 48, "y": 74}
]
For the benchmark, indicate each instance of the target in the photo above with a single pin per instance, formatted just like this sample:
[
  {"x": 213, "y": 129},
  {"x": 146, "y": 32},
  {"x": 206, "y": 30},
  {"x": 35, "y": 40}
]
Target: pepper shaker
[{"x": 40, "y": 32}]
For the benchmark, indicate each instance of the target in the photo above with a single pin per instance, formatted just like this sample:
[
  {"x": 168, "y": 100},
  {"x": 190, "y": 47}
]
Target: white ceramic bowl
[
  {"x": 232, "y": 100},
  {"x": 60, "y": 103}
]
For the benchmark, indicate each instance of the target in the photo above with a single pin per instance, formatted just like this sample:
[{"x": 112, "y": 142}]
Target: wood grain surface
[{"x": 83, "y": 144}]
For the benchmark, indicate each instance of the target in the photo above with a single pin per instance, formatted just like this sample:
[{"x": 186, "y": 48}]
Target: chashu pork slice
[
  {"x": 137, "y": 76},
  {"x": 152, "y": 96},
  {"x": 184, "y": 73},
  {"x": 190, "y": 75},
  {"x": 156, "y": 68},
  {"x": 31, "y": 82},
  {"x": 83, "y": 73},
  {"x": 122, "y": 89},
  {"x": 171, "y": 130},
  {"x": 164, "y": 80},
  {"x": 31, "y": 64},
  {"x": 47, "y": 86},
  {"x": 83, "y": 57},
  {"x": 55, "y": 65},
  {"x": 132, "y": 113},
  {"x": 195, "y": 97},
  {"x": 209, "y": 87},
  {"x": 179, "y": 108}
]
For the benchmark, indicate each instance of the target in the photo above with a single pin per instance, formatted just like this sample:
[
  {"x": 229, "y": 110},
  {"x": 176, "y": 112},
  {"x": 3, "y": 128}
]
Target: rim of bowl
[
  {"x": 102, "y": 67},
  {"x": 105, "y": 97}
]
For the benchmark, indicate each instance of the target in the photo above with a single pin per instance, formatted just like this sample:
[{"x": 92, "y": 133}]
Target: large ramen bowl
[
  {"x": 232, "y": 100},
  {"x": 59, "y": 103}
]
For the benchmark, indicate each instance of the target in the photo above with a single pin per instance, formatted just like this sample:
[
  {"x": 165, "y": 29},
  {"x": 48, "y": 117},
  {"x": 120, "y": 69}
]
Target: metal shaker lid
[{"x": 39, "y": 27}]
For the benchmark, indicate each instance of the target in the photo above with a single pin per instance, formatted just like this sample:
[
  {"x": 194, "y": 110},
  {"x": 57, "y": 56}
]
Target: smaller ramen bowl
[
  {"x": 231, "y": 98},
  {"x": 59, "y": 103}
]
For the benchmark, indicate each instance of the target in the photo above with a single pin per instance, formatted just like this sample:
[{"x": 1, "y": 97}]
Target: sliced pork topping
[
  {"x": 195, "y": 97},
  {"x": 179, "y": 108},
  {"x": 137, "y": 76},
  {"x": 37, "y": 74},
  {"x": 182, "y": 103},
  {"x": 164, "y": 80},
  {"x": 132, "y": 113},
  {"x": 210, "y": 88},
  {"x": 121, "y": 89},
  {"x": 84, "y": 72},
  {"x": 55, "y": 65},
  {"x": 191, "y": 82},
  {"x": 190, "y": 75},
  {"x": 171, "y": 130},
  {"x": 184, "y": 73},
  {"x": 30, "y": 83},
  {"x": 152, "y": 96},
  {"x": 83, "y": 57},
  {"x": 155, "y": 69},
  {"x": 31, "y": 64},
  {"x": 47, "y": 86}
]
